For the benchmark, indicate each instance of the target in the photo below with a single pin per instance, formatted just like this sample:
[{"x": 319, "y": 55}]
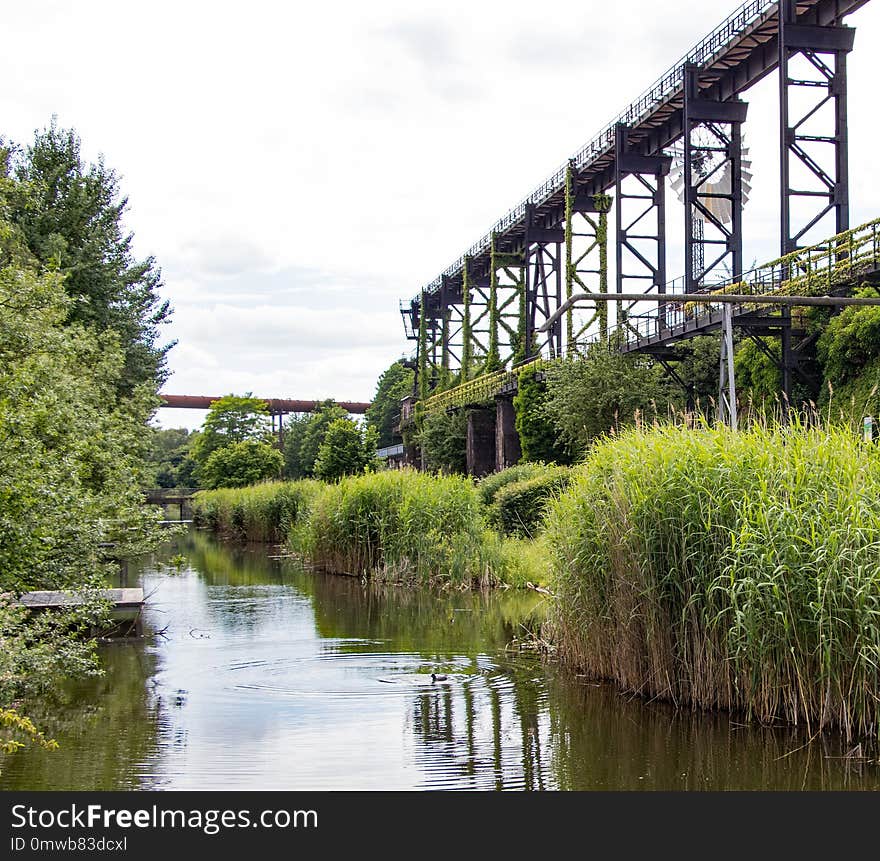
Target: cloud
[{"x": 221, "y": 257}]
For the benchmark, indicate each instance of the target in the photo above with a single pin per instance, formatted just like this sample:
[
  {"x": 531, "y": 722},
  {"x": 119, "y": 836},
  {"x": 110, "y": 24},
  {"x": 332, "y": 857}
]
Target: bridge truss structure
[{"x": 492, "y": 308}]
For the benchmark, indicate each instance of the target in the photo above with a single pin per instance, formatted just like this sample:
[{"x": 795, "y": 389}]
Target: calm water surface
[{"x": 259, "y": 675}]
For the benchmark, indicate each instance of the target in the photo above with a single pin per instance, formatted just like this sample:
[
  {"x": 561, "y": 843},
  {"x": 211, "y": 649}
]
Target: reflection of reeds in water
[
  {"x": 602, "y": 739},
  {"x": 483, "y": 732},
  {"x": 504, "y": 730}
]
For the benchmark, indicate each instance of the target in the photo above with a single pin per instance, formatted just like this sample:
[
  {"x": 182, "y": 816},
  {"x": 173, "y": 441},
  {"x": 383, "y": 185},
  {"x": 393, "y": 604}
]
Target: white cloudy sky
[{"x": 298, "y": 168}]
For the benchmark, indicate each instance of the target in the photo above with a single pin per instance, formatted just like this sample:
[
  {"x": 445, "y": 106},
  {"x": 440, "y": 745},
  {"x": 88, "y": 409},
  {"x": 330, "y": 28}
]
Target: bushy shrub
[
  {"x": 519, "y": 506},
  {"x": 491, "y": 484},
  {"x": 850, "y": 340}
]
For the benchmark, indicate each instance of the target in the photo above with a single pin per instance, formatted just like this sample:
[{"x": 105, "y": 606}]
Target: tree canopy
[
  {"x": 231, "y": 419},
  {"x": 241, "y": 463},
  {"x": 395, "y": 384},
  {"x": 303, "y": 435},
  {"x": 346, "y": 450},
  {"x": 69, "y": 216}
]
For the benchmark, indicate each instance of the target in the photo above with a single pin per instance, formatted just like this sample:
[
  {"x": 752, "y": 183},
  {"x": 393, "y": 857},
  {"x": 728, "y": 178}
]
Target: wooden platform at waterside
[
  {"x": 125, "y": 614},
  {"x": 122, "y": 599}
]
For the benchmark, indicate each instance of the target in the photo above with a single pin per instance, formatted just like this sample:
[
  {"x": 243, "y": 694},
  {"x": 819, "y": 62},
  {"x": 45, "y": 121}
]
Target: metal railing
[
  {"x": 479, "y": 389},
  {"x": 813, "y": 271},
  {"x": 817, "y": 270},
  {"x": 662, "y": 90}
]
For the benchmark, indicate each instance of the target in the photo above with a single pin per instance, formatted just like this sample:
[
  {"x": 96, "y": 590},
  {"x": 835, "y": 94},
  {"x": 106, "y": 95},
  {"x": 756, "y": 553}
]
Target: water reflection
[{"x": 267, "y": 676}]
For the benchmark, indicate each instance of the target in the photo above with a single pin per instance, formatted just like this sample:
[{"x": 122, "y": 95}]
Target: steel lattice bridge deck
[
  {"x": 831, "y": 268},
  {"x": 499, "y": 301}
]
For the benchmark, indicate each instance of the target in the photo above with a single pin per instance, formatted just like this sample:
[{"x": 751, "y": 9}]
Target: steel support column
[
  {"x": 640, "y": 214},
  {"x": 727, "y": 379},
  {"x": 543, "y": 286},
  {"x": 586, "y": 255},
  {"x": 814, "y": 175},
  {"x": 713, "y": 186}
]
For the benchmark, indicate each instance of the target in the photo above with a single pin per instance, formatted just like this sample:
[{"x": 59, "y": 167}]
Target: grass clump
[
  {"x": 726, "y": 569},
  {"x": 519, "y": 507},
  {"x": 491, "y": 484},
  {"x": 261, "y": 512},
  {"x": 401, "y": 525}
]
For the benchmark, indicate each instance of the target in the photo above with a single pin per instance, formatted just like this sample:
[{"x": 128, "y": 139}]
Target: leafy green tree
[
  {"x": 443, "y": 441},
  {"x": 346, "y": 450},
  {"x": 71, "y": 465},
  {"x": 303, "y": 436},
  {"x": 239, "y": 464},
  {"x": 168, "y": 460},
  {"x": 70, "y": 216},
  {"x": 537, "y": 433},
  {"x": 231, "y": 419},
  {"x": 602, "y": 392},
  {"x": 394, "y": 385}
]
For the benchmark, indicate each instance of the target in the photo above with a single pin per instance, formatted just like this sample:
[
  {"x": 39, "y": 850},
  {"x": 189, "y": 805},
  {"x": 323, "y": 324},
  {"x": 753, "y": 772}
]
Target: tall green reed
[{"x": 726, "y": 569}]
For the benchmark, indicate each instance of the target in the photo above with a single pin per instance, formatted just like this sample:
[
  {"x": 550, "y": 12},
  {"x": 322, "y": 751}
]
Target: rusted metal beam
[{"x": 276, "y": 405}]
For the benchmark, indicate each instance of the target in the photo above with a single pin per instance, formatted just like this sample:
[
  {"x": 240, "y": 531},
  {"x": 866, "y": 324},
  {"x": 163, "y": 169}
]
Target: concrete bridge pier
[
  {"x": 480, "y": 446},
  {"x": 507, "y": 447}
]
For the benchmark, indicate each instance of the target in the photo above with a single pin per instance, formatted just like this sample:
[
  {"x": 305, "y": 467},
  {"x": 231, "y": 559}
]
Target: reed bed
[
  {"x": 726, "y": 569},
  {"x": 401, "y": 526},
  {"x": 261, "y": 512}
]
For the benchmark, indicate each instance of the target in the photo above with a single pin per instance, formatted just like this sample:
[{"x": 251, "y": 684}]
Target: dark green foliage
[
  {"x": 519, "y": 506},
  {"x": 589, "y": 397},
  {"x": 443, "y": 440},
  {"x": 70, "y": 217},
  {"x": 347, "y": 449},
  {"x": 303, "y": 436},
  {"x": 231, "y": 419},
  {"x": 168, "y": 460},
  {"x": 239, "y": 464},
  {"x": 394, "y": 385},
  {"x": 851, "y": 401},
  {"x": 537, "y": 433},
  {"x": 492, "y": 484},
  {"x": 698, "y": 368},
  {"x": 850, "y": 340},
  {"x": 758, "y": 377}
]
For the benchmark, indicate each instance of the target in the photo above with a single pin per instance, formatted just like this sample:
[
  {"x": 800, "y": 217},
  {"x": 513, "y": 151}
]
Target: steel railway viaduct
[{"x": 506, "y": 301}]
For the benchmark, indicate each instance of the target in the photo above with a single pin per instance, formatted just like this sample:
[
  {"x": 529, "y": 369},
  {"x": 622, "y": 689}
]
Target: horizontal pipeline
[{"x": 707, "y": 299}]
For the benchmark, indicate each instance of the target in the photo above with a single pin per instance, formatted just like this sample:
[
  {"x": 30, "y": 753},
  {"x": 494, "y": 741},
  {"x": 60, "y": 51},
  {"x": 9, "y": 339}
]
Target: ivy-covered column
[
  {"x": 520, "y": 350},
  {"x": 467, "y": 345},
  {"x": 603, "y": 205},
  {"x": 423, "y": 349},
  {"x": 569, "y": 262},
  {"x": 493, "y": 356}
]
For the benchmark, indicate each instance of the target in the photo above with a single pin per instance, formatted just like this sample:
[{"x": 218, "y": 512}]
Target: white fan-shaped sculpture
[{"x": 711, "y": 174}]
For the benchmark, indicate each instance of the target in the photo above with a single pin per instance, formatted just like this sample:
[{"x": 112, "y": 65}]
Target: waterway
[{"x": 257, "y": 674}]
